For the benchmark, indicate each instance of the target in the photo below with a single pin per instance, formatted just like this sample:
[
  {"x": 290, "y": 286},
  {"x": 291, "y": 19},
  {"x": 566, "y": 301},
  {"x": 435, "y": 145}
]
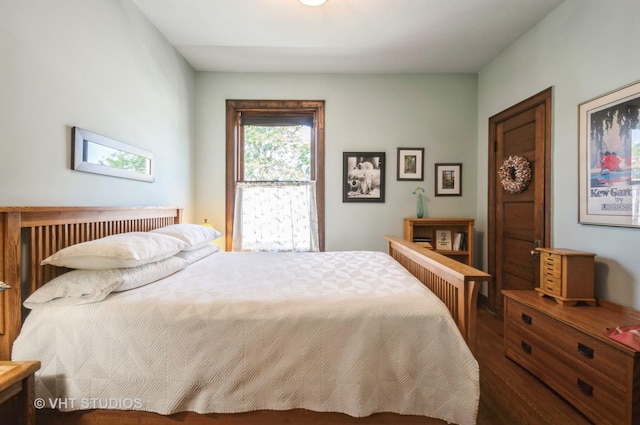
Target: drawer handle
[
  {"x": 585, "y": 388},
  {"x": 585, "y": 351},
  {"x": 525, "y": 347},
  {"x": 526, "y": 318}
]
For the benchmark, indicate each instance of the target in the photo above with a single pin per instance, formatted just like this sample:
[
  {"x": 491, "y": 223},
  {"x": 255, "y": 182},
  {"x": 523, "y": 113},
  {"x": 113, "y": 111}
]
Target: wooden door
[{"x": 518, "y": 222}]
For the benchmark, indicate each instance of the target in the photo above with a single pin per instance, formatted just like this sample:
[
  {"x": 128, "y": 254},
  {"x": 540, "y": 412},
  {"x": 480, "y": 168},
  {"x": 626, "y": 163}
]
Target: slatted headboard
[{"x": 28, "y": 235}]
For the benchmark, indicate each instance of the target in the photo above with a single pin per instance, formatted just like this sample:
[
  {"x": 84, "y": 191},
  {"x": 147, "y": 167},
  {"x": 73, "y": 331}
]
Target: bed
[{"x": 32, "y": 234}]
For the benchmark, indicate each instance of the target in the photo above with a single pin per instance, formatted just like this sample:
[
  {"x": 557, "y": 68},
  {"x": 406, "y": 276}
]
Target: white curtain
[{"x": 275, "y": 216}]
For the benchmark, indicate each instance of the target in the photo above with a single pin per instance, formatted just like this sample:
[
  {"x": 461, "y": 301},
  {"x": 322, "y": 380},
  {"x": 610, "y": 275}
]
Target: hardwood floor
[{"x": 509, "y": 395}]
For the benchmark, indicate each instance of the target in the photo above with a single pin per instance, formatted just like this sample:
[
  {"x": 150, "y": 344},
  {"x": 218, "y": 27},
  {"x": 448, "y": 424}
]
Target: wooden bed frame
[{"x": 30, "y": 234}]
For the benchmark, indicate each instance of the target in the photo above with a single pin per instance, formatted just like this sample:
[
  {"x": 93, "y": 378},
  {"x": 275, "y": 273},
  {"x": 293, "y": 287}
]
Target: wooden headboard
[{"x": 28, "y": 235}]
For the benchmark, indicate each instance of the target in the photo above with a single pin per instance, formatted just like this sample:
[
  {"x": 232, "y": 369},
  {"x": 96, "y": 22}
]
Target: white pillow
[
  {"x": 75, "y": 287},
  {"x": 88, "y": 286},
  {"x": 198, "y": 254},
  {"x": 135, "y": 277},
  {"x": 195, "y": 235},
  {"x": 117, "y": 251}
]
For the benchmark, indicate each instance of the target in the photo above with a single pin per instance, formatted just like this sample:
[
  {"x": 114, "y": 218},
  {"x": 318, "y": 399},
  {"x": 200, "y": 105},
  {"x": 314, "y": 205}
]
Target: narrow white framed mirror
[{"x": 94, "y": 153}]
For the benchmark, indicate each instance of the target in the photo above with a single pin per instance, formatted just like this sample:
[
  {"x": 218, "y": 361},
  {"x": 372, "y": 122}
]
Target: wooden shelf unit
[{"x": 416, "y": 229}]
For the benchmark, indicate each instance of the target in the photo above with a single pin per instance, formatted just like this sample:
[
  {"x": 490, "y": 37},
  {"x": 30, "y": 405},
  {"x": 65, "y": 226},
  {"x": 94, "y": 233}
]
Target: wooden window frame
[{"x": 235, "y": 158}]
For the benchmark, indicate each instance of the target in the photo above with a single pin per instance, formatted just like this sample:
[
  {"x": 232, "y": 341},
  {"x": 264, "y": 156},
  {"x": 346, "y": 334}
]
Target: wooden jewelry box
[{"x": 567, "y": 275}]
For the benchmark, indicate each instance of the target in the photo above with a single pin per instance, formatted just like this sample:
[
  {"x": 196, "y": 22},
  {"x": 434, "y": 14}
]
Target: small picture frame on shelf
[
  {"x": 448, "y": 179},
  {"x": 443, "y": 240},
  {"x": 411, "y": 164}
]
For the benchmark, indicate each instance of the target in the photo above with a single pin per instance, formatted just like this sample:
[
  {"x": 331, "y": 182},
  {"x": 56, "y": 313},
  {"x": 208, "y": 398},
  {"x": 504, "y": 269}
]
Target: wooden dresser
[{"x": 566, "y": 348}]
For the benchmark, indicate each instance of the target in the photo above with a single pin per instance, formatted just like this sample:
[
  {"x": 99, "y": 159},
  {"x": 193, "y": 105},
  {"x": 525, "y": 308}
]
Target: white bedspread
[{"x": 348, "y": 332}]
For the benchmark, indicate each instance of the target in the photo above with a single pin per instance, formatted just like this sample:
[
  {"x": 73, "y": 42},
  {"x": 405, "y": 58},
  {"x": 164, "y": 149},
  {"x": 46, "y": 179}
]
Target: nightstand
[{"x": 17, "y": 392}]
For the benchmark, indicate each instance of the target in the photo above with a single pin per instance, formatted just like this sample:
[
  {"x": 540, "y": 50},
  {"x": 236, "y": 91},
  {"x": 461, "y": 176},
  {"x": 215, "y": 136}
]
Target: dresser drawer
[
  {"x": 593, "y": 394},
  {"x": 581, "y": 348}
]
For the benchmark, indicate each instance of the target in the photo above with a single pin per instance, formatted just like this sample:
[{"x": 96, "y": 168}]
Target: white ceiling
[{"x": 343, "y": 36}]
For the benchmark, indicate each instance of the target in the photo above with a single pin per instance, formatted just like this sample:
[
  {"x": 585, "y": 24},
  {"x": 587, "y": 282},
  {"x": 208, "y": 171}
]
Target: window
[
  {"x": 275, "y": 175},
  {"x": 635, "y": 155}
]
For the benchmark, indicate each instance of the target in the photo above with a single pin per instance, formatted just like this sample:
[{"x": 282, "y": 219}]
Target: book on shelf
[
  {"x": 421, "y": 239},
  {"x": 423, "y": 242},
  {"x": 443, "y": 240},
  {"x": 457, "y": 241}
]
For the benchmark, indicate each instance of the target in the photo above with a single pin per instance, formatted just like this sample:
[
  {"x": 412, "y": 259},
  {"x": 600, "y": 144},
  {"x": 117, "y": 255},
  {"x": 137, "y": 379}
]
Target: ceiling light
[{"x": 313, "y": 2}]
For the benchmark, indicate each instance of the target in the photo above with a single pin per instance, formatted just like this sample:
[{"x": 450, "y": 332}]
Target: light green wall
[
  {"x": 363, "y": 113},
  {"x": 98, "y": 65},
  {"x": 583, "y": 49}
]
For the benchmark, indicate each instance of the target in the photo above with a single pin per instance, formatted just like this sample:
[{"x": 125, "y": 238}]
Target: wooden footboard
[{"x": 456, "y": 284}]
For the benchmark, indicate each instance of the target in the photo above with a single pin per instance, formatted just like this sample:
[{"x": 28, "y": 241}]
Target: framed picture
[
  {"x": 609, "y": 158},
  {"x": 411, "y": 164},
  {"x": 363, "y": 176},
  {"x": 448, "y": 179}
]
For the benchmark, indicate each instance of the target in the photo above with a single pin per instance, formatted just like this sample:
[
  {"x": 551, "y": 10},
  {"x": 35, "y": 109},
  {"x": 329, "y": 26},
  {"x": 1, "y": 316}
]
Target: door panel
[
  {"x": 519, "y": 141},
  {"x": 516, "y": 282},
  {"x": 518, "y": 222},
  {"x": 517, "y": 218},
  {"x": 517, "y": 260}
]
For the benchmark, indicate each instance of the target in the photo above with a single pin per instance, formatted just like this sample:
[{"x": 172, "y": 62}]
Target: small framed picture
[
  {"x": 411, "y": 164},
  {"x": 363, "y": 176},
  {"x": 448, "y": 180}
]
